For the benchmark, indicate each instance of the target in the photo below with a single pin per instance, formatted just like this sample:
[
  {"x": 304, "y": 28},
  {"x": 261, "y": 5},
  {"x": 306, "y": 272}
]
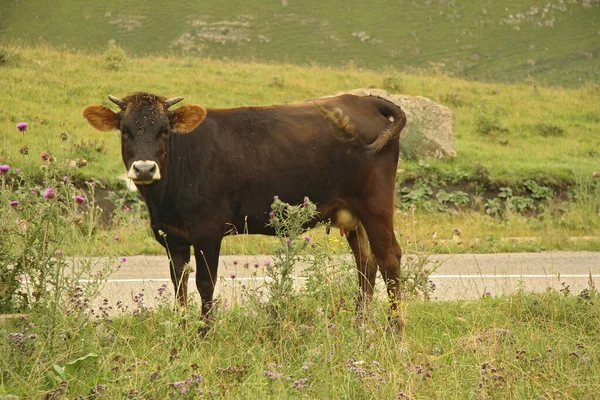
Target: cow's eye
[
  {"x": 126, "y": 133},
  {"x": 163, "y": 132}
]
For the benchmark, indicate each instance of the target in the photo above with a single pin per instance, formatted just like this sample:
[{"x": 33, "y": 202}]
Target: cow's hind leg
[
  {"x": 388, "y": 253},
  {"x": 366, "y": 265},
  {"x": 179, "y": 258}
]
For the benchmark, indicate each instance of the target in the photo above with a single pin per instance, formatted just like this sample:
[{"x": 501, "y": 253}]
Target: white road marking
[{"x": 472, "y": 276}]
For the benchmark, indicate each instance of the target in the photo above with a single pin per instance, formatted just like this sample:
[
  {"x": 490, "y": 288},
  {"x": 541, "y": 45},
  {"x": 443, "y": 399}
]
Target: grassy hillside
[
  {"x": 515, "y": 132},
  {"x": 507, "y": 136},
  {"x": 551, "y": 41}
]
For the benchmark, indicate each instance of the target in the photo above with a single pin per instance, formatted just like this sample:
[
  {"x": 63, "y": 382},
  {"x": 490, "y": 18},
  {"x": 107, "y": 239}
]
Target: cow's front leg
[
  {"x": 207, "y": 263},
  {"x": 179, "y": 258}
]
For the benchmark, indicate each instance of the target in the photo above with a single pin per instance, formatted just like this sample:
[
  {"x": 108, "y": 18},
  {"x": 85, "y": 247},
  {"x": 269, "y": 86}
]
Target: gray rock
[{"x": 429, "y": 131}]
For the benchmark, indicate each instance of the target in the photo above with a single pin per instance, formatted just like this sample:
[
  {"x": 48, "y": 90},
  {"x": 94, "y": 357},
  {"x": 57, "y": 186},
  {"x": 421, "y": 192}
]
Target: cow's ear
[
  {"x": 186, "y": 118},
  {"x": 101, "y": 117}
]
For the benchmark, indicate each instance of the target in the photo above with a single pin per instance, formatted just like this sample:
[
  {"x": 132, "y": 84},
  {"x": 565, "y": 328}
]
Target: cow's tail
[
  {"x": 346, "y": 131},
  {"x": 395, "y": 114},
  {"x": 343, "y": 129}
]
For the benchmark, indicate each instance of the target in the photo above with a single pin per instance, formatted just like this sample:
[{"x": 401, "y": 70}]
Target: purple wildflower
[
  {"x": 14, "y": 204},
  {"x": 273, "y": 375},
  {"x": 235, "y": 262},
  {"x": 124, "y": 259},
  {"x": 117, "y": 238},
  {"x": 161, "y": 290},
  {"x": 65, "y": 178},
  {"x": 22, "y": 126},
  {"x": 287, "y": 241},
  {"x": 233, "y": 276},
  {"x": 271, "y": 214},
  {"x": 59, "y": 252},
  {"x": 275, "y": 197},
  {"x": 4, "y": 168},
  {"x": 48, "y": 193},
  {"x": 79, "y": 199},
  {"x": 307, "y": 238},
  {"x": 44, "y": 156},
  {"x": 34, "y": 191},
  {"x": 18, "y": 170}
]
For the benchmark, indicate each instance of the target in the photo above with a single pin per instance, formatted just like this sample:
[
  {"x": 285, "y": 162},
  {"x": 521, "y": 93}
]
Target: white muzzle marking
[{"x": 144, "y": 172}]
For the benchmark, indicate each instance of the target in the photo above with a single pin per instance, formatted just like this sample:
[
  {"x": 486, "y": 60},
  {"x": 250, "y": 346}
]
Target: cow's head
[{"x": 145, "y": 123}]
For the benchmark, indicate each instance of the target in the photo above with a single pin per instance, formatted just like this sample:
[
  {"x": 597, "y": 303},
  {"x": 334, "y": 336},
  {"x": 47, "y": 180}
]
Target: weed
[
  {"x": 114, "y": 58},
  {"x": 546, "y": 129},
  {"x": 10, "y": 56},
  {"x": 538, "y": 191},
  {"x": 392, "y": 85},
  {"x": 288, "y": 222},
  {"x": 488, "y": 122},
  {"x": 277, "y": 82},
  {"x": 457, "y": 198}
]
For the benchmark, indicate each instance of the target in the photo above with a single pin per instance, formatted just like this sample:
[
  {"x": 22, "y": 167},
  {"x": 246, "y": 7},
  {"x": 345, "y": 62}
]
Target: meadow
[
  {"x": 551, "y": 41},
  {"x": 523, "y": 179}
]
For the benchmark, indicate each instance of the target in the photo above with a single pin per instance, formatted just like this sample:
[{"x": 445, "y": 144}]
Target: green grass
[
  {"x": 547, "y": 134},
  {"x": 550, "y": 42},
  {"x": 518, "y": 346}
]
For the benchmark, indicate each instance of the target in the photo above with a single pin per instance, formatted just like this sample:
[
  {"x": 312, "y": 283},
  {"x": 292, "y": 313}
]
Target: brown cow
[{"x": 203, "y": 171}]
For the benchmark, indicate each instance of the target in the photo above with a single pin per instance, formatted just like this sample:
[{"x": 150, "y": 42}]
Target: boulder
[{"x": 429, "y": 131}]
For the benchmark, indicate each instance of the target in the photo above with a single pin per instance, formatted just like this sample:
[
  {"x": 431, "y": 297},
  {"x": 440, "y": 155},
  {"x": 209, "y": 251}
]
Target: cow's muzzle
[{"x": 144, "y": 172}]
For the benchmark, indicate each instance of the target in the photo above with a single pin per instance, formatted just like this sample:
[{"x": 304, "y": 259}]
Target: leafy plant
[
  {"x": 456, "y": 198},
  {"x": 538, "y": 191},
  {"x": 520, "y": 204},
  {"x": 418, "y": 195}
]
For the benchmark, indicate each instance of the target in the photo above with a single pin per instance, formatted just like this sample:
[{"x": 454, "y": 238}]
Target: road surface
[{"x": 464, "y": 276}]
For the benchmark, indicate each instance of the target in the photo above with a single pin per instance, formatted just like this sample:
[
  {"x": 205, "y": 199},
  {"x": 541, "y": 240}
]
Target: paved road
[{"x": 464, "y": 276}]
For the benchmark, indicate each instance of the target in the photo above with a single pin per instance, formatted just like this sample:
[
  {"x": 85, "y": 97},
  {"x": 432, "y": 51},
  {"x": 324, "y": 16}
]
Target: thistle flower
[
  {"x": 48, "y": 193},
  {"x": 124, "y": 259},
  {"x": 65, "y": 178},
  {"x": 18, "y": 170},
  {"x": 4, "y": 168},
  {"x": 233, "y": 276},
  {"x": 44, "y": 156},
  {"x": 271, "y": 214},
  {"x": 79, "y": 199},
  {"x": 307, "y": 238},
  {"x": 14, "y": 204},
  {"x": 22, "y": 126},
  {"x": 117, "y": 238}
]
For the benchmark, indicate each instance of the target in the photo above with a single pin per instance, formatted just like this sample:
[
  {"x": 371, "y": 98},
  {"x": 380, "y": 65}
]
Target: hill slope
[{"x": 553, "y": 41}]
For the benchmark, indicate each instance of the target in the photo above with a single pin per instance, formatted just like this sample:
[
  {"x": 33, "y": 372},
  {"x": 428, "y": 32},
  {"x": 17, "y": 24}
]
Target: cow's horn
[
  {"x": 173, "y": 100},
  {"x": 120, "y": 102}
]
